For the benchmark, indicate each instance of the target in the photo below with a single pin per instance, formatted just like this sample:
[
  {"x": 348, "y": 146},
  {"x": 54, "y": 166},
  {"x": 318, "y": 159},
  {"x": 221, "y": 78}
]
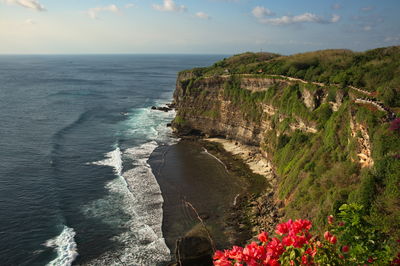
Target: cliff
[{"x": 322, "y": 125}]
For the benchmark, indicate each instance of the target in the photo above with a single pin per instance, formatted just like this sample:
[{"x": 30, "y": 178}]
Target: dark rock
[
  {"x": 165, "y": 109},
  {"x": 171, "y": 105},
  {"x": 194, "y": 251},
  {"x": 169, "y": 124},
  {"x": 162, "y": 108}
]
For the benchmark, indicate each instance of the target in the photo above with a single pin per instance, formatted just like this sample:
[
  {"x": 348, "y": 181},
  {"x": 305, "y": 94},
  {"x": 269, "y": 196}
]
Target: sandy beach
[{"x": 251, "y": 155}]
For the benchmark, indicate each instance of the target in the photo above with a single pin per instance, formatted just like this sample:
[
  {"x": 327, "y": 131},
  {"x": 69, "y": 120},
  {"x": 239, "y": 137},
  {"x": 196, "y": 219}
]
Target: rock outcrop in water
[{"x": 302, "y": 114}]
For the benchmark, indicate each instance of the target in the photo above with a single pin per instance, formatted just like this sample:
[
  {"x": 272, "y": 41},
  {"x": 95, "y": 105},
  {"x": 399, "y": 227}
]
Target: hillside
[{"x": 322, "y": 119}]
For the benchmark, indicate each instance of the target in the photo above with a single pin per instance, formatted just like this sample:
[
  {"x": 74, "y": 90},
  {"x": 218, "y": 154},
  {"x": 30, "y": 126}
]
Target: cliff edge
[{"x": 321, "y": 120}]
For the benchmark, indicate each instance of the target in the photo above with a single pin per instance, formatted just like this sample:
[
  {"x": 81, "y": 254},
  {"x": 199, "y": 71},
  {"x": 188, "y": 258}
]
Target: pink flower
[{"x": 333, "y": 240}]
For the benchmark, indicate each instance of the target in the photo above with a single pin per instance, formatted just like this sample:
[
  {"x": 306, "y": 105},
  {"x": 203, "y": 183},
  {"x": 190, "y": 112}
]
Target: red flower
[
  {"x": 311, "y": 252},
  {"x": 396, "y": 261},
  {"x": 218, "y": 255},
  {"x": 222, "y": 262},
  {"x": 282, "y": 229},
  {"x": 330, "y": 219},
  {"x": 345, "y": 249},
  {"x": 304, "y": 260},
  {"x": 370, "y": 260},
  {"x": 333, "y": 240},
  {"x": 270, "y": 261},
  {"x": 395, "y": 125},
  {"x": 275, "y": 248},
  {"x": 263, "y": 237},
  {"x": 287, "y": 241},
  {"x": 327, "y": 235},
  {"x": 299, "y": 241},
  {"x": 236, "y": 253}
]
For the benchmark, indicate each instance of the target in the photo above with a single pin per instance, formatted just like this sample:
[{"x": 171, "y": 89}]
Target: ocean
[{"x": 76, "y": 135}]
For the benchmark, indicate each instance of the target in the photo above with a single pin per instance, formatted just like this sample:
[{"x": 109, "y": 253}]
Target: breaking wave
[
  {"x": 65, "y": 246},
  {"x": 135, "y": 201}
]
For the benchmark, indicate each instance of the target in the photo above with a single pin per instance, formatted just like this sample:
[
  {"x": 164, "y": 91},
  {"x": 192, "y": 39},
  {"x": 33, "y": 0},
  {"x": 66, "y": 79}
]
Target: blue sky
[{"x": 195, "y": 26}]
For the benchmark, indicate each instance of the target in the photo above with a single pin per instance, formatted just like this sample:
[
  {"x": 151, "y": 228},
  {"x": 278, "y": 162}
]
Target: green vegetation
[
  {"x": 376, "y": 70},
  {"x": 317, "y": 172}
]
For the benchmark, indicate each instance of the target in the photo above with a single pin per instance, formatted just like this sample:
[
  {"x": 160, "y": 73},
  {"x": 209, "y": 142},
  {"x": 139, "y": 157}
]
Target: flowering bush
[
  {"x": 395, "y": 125},
  {"x": 294, "y": 244}
]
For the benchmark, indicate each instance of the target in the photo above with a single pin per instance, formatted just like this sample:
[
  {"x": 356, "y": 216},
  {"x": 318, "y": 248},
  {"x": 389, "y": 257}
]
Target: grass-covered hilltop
[{"x": 325, "y": 120}]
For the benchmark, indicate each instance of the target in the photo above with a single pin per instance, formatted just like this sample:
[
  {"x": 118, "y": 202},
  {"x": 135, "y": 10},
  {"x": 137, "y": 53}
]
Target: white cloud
[
  {"x": 367, "y": 28},
  {"x": 303, "y": 18},
  {"x": 392, "y": 39},
  {"x": 367, "y": 8},
  {"x": 202, "y": 15},
  {"x": 29, "y": 22},
  {"x": 130, "y": 5},
  {"x": 336, "y": 6},
  {"x": 335, "y": 18},
  {"x": 93, "y": 12},
  {"x": 261, "y": 12},
  {"x": 169, "y": 5},
  {"x": 31, "y": 4}
]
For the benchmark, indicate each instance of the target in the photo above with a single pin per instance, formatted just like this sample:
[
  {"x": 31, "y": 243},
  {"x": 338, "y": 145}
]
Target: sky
[{"x": 195, "y": 26}]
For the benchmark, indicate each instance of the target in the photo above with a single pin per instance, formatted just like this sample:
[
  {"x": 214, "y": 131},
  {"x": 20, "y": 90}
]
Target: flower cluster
[
  {"x": 270, "y": 250},
  {"x": 294, "y": 245}
]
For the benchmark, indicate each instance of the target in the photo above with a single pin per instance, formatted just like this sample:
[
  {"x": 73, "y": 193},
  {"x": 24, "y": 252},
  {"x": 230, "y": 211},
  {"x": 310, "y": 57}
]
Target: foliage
[
  {"x": 179, "y": 121},
  {"x": 351, "y": 241},
  {"x": 246, "y": 101},
  {"x": 376, "y": 70},
  {"x": 317, "y": 172}
]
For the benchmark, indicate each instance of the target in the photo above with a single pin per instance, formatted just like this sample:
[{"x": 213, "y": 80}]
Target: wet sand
[{"x": 186, "y": 172}]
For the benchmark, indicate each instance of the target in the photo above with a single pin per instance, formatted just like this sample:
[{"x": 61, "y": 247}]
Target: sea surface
[{"x": 76, "y": 133}]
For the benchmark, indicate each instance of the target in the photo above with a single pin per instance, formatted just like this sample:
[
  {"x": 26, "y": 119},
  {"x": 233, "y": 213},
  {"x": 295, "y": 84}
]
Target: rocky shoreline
[
  {"x": 252, "y": 211},
  {"x": 255, "y": 210}
]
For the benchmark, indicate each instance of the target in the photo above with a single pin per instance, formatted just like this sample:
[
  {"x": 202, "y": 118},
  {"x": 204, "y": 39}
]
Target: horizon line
[{"x": 33, "y": 54}]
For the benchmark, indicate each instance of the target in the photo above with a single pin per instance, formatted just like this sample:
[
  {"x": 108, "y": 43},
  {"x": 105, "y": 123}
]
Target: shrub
[{"x": 351, "y": 241}]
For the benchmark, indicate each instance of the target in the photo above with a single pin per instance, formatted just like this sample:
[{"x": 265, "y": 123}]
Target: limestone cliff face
[
  {"x": 326, "y": 141},
  {"x": 203, "y": 106},
  {"x": 360, "y": 133}
]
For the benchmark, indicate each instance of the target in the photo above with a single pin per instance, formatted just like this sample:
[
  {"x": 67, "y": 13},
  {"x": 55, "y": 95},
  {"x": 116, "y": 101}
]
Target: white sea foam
[
  {"x": 137, "y": 192},
  {"x": 65, "y": 246},
  {"x": 113, "y": 159}
]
